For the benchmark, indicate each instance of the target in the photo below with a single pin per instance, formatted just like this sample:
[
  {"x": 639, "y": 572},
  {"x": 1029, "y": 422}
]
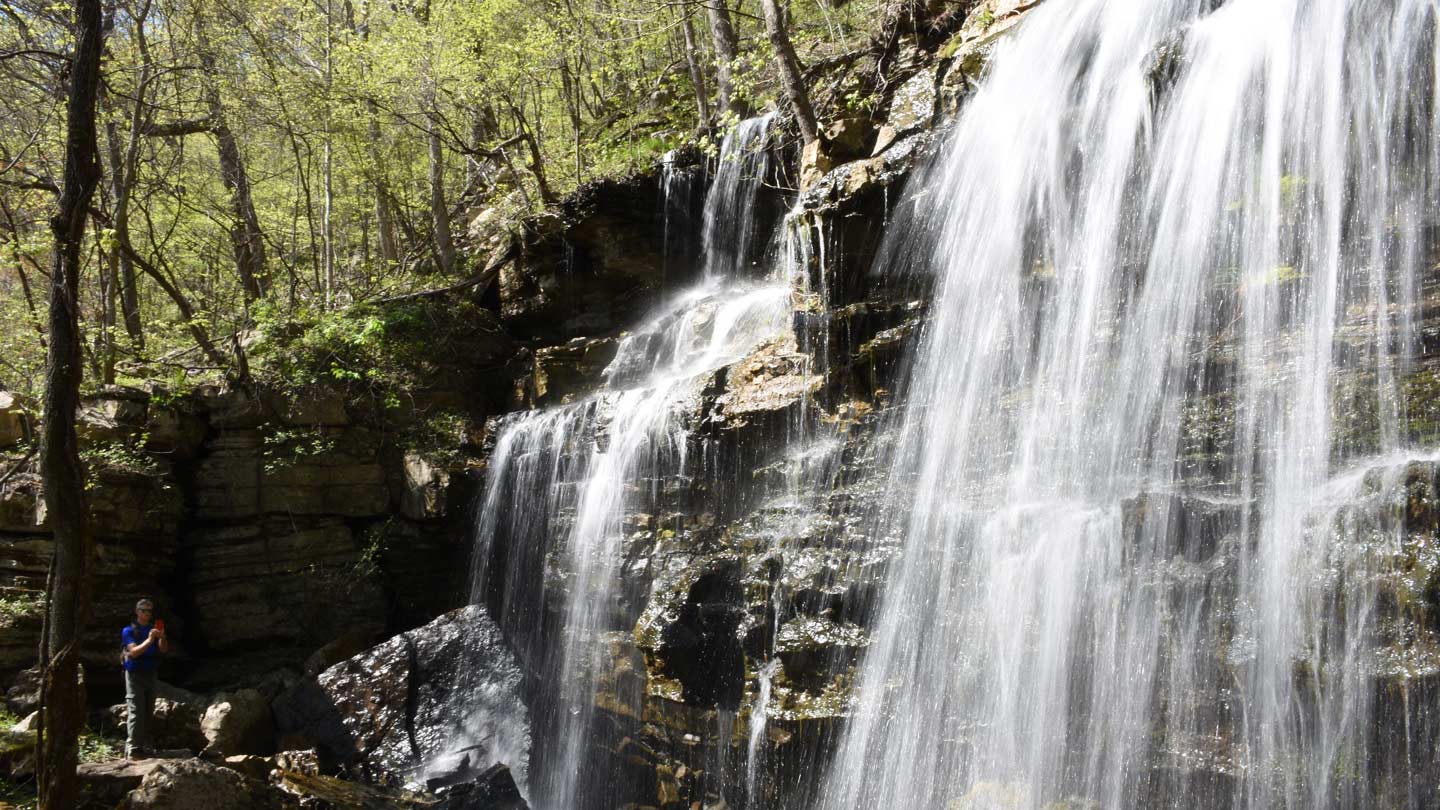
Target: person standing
[{"x": 143, "y": 641}]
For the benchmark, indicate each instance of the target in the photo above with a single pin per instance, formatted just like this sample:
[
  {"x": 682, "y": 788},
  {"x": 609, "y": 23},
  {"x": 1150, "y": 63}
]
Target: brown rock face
[
  {"x": 273, "y": 583},
  {"x": 322, "y": 471},
  {"x": 576, "y": 367}
]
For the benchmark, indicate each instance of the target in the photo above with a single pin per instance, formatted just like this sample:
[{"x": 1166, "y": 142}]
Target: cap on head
[{"x": 145, "y": 604}]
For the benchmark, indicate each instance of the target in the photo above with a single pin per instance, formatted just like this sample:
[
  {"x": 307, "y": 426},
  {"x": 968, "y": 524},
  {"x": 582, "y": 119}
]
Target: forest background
[{"x": 270, "y": 164}]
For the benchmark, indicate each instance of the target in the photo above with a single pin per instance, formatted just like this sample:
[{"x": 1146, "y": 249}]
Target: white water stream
[
  {"x": 563, "y": 480},
  {"x": 1086, "y": 612}
]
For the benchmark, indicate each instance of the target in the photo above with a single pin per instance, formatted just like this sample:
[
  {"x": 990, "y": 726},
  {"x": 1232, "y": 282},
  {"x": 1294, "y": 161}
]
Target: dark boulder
[
  {"x": 493, "y": 789},
  {"x": 414, "y": 704}
]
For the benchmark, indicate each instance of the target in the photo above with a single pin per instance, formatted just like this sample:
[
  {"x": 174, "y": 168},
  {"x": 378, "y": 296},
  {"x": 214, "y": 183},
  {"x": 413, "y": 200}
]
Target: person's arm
[
  {"x": 136, "y": 650},
  {"x": 159, "y": 637}
]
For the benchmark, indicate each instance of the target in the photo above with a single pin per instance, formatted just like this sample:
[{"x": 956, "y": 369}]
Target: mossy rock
[{"x": 17, "y": 753}]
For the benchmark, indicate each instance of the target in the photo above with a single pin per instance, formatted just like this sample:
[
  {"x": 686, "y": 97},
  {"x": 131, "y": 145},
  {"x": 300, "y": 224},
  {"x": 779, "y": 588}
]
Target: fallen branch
[{"x": 19, "y": 465}]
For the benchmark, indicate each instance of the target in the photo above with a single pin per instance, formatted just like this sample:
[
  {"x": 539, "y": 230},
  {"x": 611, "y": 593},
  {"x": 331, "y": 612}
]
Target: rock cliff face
[
  {"x": 728, "y": 653},
  {"x": 266, "y": 523}
]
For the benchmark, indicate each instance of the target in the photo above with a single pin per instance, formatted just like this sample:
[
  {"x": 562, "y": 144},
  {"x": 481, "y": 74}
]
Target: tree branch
[{"x": 176, "y": 128}]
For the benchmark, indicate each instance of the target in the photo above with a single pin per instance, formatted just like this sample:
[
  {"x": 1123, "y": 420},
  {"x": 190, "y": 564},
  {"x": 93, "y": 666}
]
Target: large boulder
[
  {"x": 417, "y": 704},
  {"x": 113, "y": 415},
  {"x": 238, "y": 723},
  {"x": 105, "y": 784},
  {"x": 186, "y": 784}
]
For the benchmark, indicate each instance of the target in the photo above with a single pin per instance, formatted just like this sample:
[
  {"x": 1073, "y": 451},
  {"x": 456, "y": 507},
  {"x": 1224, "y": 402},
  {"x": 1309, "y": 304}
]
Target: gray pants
[{"x": 139, "y": 706}]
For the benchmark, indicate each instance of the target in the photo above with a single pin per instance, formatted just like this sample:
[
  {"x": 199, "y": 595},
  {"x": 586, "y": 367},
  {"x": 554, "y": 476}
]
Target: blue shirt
[{"x": 136, "y": 634}]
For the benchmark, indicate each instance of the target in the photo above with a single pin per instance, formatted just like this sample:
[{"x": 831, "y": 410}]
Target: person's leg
[
  {"x": 147, "y": 710},
  {"x": 133, "y": 705}
]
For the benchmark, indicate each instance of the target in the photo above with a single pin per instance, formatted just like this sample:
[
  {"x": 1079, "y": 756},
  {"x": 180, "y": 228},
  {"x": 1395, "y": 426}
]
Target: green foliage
[
  {"x": 371, "y": 349},
  {"x": 118, "y": 456},
  {"x": 438, "y": 437},
  {"x": 18, "y": 604},
  {"x": 286, "y": 447},
  {"x": 333, "y": 108}
]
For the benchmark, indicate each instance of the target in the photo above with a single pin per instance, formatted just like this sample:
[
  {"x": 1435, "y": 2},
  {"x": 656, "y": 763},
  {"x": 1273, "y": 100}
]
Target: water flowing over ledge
[{"x": 1148, "y": 209}]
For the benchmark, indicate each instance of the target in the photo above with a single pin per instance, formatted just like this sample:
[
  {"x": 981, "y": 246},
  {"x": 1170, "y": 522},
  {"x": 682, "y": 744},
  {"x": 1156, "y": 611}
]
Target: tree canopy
[{"x": 271, "y": 161}]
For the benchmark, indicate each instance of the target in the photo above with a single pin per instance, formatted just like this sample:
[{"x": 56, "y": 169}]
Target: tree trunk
[
  {"x": 727, "y": 47},
  {"x": 109, "y": 284},
  {"x": 121, "y": 181},
  {"x": 697, "y": 76},
  {"x": 245, "y": 237},
  {"x": 63, "y": 702},
  {"x": 790, "y": 73},
  {"x": 187, "y": 310},
  {"x": 384, "y": 216},
  {"x": 439, "y": 211},
  {"x": 537, "y": 159}
]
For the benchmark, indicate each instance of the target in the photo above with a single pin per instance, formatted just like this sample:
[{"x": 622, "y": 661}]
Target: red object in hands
[{"x": 160, "y": 625}]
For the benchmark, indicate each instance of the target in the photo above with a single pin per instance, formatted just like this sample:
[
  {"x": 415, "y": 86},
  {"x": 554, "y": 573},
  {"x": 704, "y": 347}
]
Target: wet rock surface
[
  {"x": 440, "y": 693},
  {"x": 598, "y": 265}
]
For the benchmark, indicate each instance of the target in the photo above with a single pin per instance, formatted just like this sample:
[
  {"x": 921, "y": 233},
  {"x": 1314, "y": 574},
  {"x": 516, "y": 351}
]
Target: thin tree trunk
[
  {"x": 187, "y": 310},
  {"x": 697, "y": 76},
  {"x": 790, "y": 73},
  {"x": 572, "y": 107},
  {"x": 384, "y": 216},
  {"x": 439, "y": 211},
  {"x": 109, "y": 283},
  {"x": 123, "y": 179},
  {"x": 727, "y": 47},
  {"x": 25, "y": 289},
  {"x": 537, "y": 160},
  {"x": 329, "y": 213},
  {"x": 121, "y": 182},
  {"x": 63, "y": 703},
  {"x": 245, "y": 237}
]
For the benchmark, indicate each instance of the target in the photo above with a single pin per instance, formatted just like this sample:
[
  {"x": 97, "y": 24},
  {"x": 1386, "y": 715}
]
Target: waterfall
[
  {"x": 567, "y": 485},
  {"x": 728, "y": 231},
  {"x": 1141, "y": 470}
]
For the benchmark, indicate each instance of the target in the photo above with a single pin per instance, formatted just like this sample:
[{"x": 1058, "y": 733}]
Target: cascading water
[
  {"x": 565, "y": 483},
  {"x": 1179, "y": 250}
]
